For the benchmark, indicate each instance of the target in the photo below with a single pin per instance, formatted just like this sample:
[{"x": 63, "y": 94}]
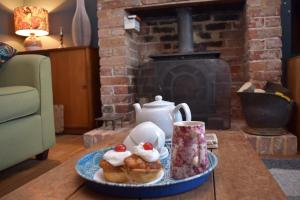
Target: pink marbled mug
[{"x": 189, "y": 149}]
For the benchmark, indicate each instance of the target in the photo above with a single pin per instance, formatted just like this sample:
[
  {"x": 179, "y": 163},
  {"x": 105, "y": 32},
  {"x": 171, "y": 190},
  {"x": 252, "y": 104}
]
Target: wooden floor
[{"x": 16, "y": 176}]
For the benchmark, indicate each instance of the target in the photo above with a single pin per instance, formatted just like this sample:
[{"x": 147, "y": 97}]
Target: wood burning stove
[{"x": 200, "y": 79}]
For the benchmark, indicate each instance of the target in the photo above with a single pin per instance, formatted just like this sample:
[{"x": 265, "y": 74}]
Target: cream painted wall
[
  {"x": 50, "y": 5},
  {"x": 6, "y": 23},
  {"x": 60, "y": 15},
  {"x": 9, "y": 5}
]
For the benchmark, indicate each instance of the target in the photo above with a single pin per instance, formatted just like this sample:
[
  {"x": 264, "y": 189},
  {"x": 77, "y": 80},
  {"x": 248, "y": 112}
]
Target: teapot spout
[{"x": 137, "y": 107}]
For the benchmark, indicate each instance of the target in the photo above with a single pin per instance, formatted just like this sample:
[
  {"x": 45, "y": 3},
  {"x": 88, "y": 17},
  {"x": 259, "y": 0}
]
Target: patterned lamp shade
[{"x": 31, "y": 20}]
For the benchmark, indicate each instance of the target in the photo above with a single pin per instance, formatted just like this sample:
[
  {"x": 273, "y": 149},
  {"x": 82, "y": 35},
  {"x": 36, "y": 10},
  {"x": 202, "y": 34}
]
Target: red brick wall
[
  {"x": 118, "y": 60},
  {"x": 253, "y": 54},
  {"x": 263, "y": 36}
]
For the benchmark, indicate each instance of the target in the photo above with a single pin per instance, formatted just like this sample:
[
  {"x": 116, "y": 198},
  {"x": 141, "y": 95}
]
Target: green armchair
[{"x": 26, "y": 109}]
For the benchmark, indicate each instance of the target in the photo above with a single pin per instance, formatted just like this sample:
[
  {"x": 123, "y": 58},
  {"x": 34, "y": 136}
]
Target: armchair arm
[
  {"x": 22, "y": 70},
  {"x": 34, "y": 71}
]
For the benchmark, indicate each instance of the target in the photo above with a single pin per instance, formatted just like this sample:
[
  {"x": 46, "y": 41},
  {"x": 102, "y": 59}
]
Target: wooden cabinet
[
  {"x": 293, "y": 77},
  {"x": 75, "y": 79}
]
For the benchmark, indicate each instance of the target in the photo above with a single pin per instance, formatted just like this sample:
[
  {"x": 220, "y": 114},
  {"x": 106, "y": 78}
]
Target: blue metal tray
[{"x": 88, "y": 165}]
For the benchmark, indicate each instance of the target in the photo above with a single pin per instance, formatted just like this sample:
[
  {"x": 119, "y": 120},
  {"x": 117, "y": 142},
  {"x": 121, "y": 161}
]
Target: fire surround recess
[
  {"x": 122, "y": 52},
  {"x": 200, "y": 79}
]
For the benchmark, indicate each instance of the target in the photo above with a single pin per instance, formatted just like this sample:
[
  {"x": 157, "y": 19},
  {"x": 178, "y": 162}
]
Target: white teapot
[{"x": 162, "y": 113}]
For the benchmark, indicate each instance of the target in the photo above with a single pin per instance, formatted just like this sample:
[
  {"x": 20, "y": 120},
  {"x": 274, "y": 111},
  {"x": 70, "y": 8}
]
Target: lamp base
[{"x": 32, "y": 42}]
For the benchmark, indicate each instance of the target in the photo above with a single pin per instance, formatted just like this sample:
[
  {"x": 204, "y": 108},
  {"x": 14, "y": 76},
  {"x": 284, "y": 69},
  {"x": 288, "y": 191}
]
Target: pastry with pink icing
[
  {"x": 143, "y": 165},
  {"x": 113, "y": 164}
]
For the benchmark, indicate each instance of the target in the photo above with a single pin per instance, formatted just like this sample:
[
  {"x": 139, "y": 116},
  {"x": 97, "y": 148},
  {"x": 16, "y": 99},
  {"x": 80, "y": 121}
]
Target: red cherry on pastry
[
  {"x": 120, "y": 148},
  {"x": 148, "y": 146}
]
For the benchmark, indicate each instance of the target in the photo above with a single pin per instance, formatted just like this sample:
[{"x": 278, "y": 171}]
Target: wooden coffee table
[{"x": 240, "y": 174}]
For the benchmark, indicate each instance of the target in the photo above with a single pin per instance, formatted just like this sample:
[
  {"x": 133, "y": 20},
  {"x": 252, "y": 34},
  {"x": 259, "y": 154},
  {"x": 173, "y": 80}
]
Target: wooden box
[{"x": 293, "y": 77}]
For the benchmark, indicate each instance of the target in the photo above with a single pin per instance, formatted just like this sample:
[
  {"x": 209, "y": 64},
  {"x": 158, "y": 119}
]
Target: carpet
[{"x": 287, "y": 173}]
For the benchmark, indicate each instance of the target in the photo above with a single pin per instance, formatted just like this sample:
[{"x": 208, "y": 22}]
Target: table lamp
[{"x": 31, "y": 21}]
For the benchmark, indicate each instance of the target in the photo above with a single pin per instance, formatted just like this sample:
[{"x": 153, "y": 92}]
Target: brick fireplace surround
[{"x": 249, "y": 39}]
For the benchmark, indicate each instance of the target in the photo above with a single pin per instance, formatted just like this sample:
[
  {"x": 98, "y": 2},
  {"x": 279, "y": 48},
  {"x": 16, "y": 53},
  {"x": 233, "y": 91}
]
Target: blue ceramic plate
[{"x": 88, "y": 165}]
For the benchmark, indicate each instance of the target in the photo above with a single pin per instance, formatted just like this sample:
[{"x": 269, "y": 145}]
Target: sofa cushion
[
  {"x": 6, "y": 52},
  {"x": 18, "y": 101}
]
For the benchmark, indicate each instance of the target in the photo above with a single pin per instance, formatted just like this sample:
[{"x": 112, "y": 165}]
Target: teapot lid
[{"x": 158, "y": 103}]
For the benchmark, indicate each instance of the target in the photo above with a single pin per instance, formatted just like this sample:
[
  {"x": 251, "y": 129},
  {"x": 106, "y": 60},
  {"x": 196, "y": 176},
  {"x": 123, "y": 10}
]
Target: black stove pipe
[{"x": 185, "y": 30}]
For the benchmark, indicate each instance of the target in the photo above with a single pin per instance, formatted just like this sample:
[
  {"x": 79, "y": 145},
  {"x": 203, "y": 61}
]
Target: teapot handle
[{"x": 186, "y": 109}]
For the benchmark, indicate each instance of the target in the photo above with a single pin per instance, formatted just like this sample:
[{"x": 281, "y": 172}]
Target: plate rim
[
  {"x": 161, "y": 175},
  {"x": 124, "y": 185}
]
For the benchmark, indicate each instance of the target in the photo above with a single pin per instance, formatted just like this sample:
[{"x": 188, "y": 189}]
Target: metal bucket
[{"x": 265, "y": 110}]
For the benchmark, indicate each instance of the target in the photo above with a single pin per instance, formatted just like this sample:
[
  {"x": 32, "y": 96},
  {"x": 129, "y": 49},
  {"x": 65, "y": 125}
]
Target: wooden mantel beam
[{"x": 191, "y": 3}]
